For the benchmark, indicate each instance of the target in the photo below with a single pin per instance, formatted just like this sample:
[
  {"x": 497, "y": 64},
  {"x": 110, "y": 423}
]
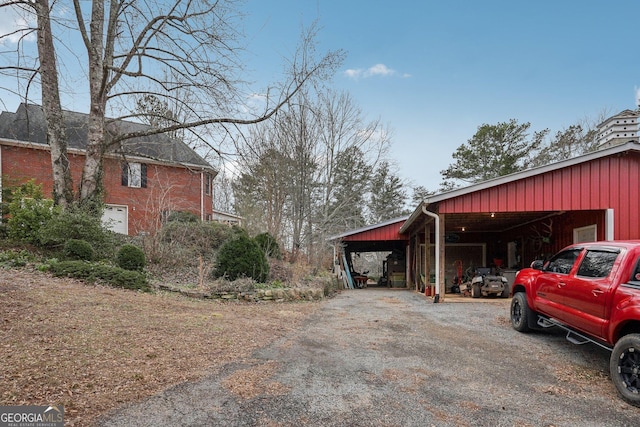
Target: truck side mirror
[{"x": 537, "y": 264}]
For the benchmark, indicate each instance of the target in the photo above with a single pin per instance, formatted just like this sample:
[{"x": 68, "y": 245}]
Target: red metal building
[
  {"x": 384, "y": 237},
  {"x": 532, "y": 214},
  {"x": 512, "y": 220}
]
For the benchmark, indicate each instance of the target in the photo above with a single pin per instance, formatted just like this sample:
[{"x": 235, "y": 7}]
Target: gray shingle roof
[{"x": 27, "y": 124}]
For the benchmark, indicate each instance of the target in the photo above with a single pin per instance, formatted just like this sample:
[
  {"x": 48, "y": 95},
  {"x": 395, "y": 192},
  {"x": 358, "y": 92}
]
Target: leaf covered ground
[{"x": 93, "y": 348}]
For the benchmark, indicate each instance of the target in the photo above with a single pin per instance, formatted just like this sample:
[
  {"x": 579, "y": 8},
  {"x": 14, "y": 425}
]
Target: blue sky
[
  {"x": 434, "y": 71},
  {"x": 451, "y": 66}
]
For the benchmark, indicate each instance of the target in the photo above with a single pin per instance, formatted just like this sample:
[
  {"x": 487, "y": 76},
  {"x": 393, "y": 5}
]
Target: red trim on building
[{"x": 388, "y": 232}]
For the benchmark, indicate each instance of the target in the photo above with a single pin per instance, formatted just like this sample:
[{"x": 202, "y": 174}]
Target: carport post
[{"x": 436, "y": 219}]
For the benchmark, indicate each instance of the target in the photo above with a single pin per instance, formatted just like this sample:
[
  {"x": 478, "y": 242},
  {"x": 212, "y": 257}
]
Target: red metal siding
[
  {"x": 604, "y": 183},
  {"x": 385, "y": 233}
]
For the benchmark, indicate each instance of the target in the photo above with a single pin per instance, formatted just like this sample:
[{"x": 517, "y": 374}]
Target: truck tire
[
  {"x": 476, "y": 292},
  {"x": 624, "y": 368},
  {"x": 520, "y": 312}
]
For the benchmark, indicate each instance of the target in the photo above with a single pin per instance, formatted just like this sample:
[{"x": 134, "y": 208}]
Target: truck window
[
  {"x": 635, "y": 276},
  {"x": 597, "y": 264},
  {"x": 562, "y": 262}
]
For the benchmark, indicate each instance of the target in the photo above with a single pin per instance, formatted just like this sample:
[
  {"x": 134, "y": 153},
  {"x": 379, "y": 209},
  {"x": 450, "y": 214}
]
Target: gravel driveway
[{"x": 380, "y": 357}]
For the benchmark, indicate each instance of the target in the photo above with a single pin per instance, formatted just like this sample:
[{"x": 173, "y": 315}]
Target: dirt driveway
[{"x": 379, "y": 357}]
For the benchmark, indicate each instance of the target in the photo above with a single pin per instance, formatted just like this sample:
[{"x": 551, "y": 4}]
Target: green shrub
[
  {"x": 269, "y": 245},
  {"x": 91, "y": 273},
  {"x": 13, "y": 258},
  {"x": 77, "y": 223},
  {"x": 131, "y": 257},
  {"x": 241, "y": 257},
  {"x": 29, "y": 211},
  {"x": 79, "y": 250}
]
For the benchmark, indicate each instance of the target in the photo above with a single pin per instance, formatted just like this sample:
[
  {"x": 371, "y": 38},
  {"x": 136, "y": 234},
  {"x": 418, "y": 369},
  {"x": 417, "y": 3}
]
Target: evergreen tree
[
  {"x": 388, "y": 196},
  {"x": 495, "y": 150},
  {"x": 420, "y": 193},
  {"x": 350, "y": 186}
]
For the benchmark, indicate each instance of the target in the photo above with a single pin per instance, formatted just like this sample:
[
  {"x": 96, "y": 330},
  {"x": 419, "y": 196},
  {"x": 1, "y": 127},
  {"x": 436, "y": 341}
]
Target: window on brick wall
[
  {"x": 207, "y": 183},
  {"x": 134, "y": 175}
]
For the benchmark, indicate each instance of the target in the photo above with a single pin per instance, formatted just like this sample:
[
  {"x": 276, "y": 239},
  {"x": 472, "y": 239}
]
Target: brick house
[{"x": 145, "y": 179}]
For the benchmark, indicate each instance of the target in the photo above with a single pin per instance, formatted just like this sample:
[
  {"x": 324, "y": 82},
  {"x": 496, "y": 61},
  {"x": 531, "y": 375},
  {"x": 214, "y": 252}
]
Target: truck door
[
  {"x": 549, "y": 293},
  {"x": 587, "y": 291}
]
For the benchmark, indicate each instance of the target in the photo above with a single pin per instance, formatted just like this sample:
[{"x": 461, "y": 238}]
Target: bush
[
  {"x": 79, "y": 250},
  {"x": 14, "y": 258},
  {"x": 241, "y": 257},
  {"x": 29, "y": 211},
  {"x": 91, "y": 273},
  {"x": 280, "y": 271},
  {"x": 269, "y": 245},
  {"x": 77, "y": 223},
  {"x": 131, "y": 257},
  {"x": 183, "y": 216},
  {"x": 202, "y": 237}
]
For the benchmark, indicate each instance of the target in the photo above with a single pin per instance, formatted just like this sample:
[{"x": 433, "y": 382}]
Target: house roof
[{"x": 28, "y": 124}]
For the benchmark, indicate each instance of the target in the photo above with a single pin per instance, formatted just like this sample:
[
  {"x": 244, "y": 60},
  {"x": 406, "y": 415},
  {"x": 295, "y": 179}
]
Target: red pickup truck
[{"x": 591, "y": 290}]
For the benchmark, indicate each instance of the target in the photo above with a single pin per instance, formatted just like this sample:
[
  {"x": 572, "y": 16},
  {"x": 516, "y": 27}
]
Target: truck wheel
[
  {"x": 475, "y": 290},
  {"x": 624, "y": 368},
  {"x": 520, "y": 312}
]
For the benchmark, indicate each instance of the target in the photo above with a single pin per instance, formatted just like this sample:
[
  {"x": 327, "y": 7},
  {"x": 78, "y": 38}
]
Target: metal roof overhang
[
  {"x": 375, "y": 246},
  {"x": 482, "y": 222},
  {"x": 382, "y": 237},
  {"x": 501, "y": 221}
]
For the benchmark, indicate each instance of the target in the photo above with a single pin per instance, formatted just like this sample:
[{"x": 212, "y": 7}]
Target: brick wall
[{"x": 168, "y": 188}]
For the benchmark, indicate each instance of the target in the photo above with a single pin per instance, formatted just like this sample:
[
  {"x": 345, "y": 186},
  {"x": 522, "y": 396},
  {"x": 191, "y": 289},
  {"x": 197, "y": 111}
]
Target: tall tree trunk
[
  {"x": 91, "y": 183},
  {"x": 52, "y": 109}
]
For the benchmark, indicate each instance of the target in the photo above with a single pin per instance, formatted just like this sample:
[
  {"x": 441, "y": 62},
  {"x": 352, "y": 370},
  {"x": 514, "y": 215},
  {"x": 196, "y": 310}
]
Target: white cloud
[
  {"x": 11, "y": 22},
  {"x": 380, "y": 70},
  {"x": 353, "y": 73}
]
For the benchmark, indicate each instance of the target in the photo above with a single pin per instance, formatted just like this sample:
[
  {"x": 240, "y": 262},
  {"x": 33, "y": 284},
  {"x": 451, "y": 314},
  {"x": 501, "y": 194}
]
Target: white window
[
  {"x": 585, "y": 234},
  {"x": 134, "y": 175}
]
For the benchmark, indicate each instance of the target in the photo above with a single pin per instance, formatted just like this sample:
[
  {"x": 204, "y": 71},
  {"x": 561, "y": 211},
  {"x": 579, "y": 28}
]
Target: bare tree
[
  {"x": 131, "y": 48},
  {"x": 575, "y": 140},
  {"x": 261, "y": 191},
  {"x": 52, "y": 108},
  {"x": 344, "y": 130},
  {"x": 315, "y": 180},
  {"x": 223, "y": 191}
]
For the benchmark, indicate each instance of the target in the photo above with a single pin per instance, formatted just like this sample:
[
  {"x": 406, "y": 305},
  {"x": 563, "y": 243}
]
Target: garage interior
[{"x": 406, "y": 248}]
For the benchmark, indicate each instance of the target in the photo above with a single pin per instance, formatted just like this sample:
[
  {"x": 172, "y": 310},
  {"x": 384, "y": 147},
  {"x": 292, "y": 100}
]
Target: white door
[{"x": 115, "y": 218}]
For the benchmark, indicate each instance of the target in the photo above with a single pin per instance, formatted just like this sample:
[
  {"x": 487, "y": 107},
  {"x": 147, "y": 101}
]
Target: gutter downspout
[
  {"x": 437, "y": 257},
  {"x": 1, "y": 146},
  {"x": 202, "y": 217}
]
